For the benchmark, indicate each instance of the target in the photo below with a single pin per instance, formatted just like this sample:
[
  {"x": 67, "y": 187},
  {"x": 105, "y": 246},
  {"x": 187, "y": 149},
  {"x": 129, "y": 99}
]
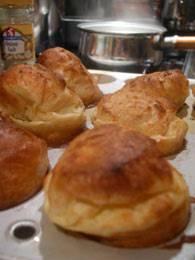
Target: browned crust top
[
  {"x": 110, "y": 165},
  {"x": 68, "y": 66}
]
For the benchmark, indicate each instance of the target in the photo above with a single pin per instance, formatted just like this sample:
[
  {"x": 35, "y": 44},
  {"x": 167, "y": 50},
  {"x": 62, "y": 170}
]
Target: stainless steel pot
[{"x": 119, "y": 45}]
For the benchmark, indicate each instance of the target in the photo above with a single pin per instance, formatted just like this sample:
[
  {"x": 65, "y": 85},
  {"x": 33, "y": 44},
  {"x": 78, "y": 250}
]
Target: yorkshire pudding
[
  {"x": 112, "y": 185},
  {"x": 68, "y": 67},
  {"x": 23, "y": 164},
  {"x": 36, "y": 100}
]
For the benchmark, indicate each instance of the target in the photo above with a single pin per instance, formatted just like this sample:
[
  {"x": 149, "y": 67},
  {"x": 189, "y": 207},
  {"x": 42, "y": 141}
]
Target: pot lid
[{"x": 122, "y": 28}]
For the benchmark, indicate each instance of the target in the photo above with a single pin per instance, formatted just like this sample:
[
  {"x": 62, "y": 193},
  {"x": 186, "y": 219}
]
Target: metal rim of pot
[{"x": 121, "y": 28}]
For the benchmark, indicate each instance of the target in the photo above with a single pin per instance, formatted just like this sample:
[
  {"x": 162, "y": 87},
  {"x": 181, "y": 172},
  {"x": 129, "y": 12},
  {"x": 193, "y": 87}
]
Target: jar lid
[{"x": 18, "y": 3}]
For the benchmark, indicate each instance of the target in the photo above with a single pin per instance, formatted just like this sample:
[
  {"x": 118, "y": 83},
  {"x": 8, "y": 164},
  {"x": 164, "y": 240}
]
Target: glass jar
[{"x": 17, "y": 37}]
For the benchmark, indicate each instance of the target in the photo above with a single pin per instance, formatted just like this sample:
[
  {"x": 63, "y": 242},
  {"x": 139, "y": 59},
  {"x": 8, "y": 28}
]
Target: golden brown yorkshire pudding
[
  {"x": 171, "y": 84},
  {"x": 68, "y": 67},
  {"x": 23, "y": 164},
  {"x": 137, "y": 111},
  {"x": 36, "y": 100},
  {"x": 112, "y": 185}
]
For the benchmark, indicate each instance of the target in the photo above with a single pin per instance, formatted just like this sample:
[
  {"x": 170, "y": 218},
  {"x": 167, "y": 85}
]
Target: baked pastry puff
[
  {"x": 171, "y": 84},
  {"x": 68, "y": 67},
  {"x": 154, "y": 117},
  {"x": 23, "y": 163},
  {"x": 112, "y": 185},
  {"x": 36, "y": 100}
]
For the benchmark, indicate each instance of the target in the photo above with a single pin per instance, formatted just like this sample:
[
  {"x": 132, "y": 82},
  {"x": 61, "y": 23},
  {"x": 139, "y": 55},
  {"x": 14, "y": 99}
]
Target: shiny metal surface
[
  {"x": 122, "y": 28},
  {"x": 46, "y": 24},
  {"x": 118, "y": 45},
  {"x": 189, "y": 65}
]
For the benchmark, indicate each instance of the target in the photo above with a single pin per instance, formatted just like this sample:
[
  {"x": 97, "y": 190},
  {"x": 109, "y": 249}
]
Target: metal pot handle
[{"x": 180, "y": 42}]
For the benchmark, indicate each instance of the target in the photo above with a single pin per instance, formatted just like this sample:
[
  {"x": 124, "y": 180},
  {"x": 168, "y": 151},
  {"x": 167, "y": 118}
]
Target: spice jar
[{"x": 16, "y": 27}]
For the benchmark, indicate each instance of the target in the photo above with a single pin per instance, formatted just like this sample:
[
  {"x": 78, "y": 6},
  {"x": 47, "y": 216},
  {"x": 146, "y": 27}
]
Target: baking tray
[{"x": 48, "y": 242}]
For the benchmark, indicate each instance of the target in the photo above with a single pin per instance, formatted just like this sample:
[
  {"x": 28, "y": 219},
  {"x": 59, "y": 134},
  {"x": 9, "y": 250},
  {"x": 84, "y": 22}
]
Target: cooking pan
[{"x": 117, "y": 45}]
